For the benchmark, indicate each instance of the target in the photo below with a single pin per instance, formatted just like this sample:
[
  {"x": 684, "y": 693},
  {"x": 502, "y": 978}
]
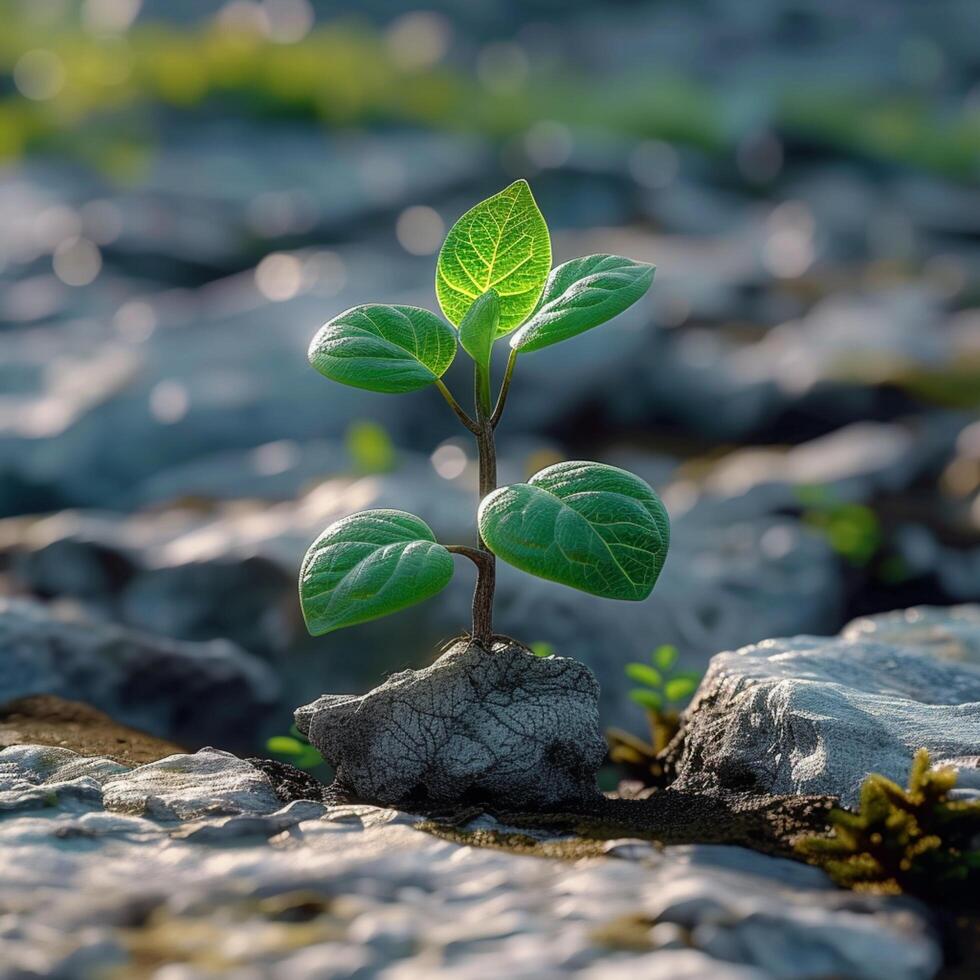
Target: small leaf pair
[
  {"x": 592, "y": 527},
  {"x": 662, "y": 685}
]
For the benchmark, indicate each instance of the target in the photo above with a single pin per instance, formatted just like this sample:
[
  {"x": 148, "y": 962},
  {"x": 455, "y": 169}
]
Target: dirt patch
[{"x": 46, "y": 719}]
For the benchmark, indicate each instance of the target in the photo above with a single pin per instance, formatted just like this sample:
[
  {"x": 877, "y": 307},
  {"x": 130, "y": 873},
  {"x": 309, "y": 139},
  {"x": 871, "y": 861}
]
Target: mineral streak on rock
[{"x": 504, "y": 726}]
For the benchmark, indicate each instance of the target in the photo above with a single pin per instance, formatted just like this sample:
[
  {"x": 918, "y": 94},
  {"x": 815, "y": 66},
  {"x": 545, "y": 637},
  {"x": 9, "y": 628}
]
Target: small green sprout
[
  {"x": 663, "y": 695},
  {"x": 585, "y": 525},
  {"x": 663, "y": 689},
  {"x": 918, "y": 840},
  {"x": 540, "y": 648}
]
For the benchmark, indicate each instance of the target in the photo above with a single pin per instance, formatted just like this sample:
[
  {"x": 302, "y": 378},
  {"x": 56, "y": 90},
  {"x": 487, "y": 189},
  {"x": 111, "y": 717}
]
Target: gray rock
[
  {"x": 191, "y": 692},
  {"x": 505, "y": 726},
  {"x": 185, "y": 787},
  {"x": 817, "y": 715},
  {"x": 313, "y": 892}
]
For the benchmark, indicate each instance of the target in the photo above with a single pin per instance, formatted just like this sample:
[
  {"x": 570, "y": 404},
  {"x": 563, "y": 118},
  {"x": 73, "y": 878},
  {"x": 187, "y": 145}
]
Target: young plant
[
  {"x": 586, "y": 525},
  {"x": 663, "y": 693}
]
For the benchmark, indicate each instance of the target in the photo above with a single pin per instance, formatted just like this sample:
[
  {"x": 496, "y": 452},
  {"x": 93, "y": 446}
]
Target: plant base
[{"x": 502, "y": 727}]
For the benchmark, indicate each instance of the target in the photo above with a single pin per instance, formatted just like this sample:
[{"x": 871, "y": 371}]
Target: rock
[
  {"x": 951, "y": 633},
  {"x": 307, "y": 891},
  {"x": 191, "y": 692},
  {"x": 817, "y": 715},
  {"x": 49, "y": 720},
  {"x": 506, "y": 726},
  {"x": 184, "y": 787}
]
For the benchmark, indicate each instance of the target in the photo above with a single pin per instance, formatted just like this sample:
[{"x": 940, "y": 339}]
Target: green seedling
[
  {"x": 663, "y": 693},
  {"x": 586, "y": 525}
]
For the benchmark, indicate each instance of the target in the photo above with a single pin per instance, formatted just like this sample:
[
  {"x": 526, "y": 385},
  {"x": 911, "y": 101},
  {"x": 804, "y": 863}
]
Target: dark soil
[
  {"x": 290, "y": 783},
  {"x": 769, "y": 824},
  {"x": 46, "y": 719}
]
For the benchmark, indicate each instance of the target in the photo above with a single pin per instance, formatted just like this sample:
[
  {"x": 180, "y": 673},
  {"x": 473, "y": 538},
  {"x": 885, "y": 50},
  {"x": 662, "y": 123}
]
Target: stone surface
[
  {"x": 191, "y": 692},
  {"x": 252, "y": 888},
  {"x": 505, "y": 726},
  {"x": 817, "y": 715}
]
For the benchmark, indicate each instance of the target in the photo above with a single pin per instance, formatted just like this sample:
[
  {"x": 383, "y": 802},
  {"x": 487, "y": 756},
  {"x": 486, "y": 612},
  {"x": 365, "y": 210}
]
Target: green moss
[{"x": 916, "y": 841}]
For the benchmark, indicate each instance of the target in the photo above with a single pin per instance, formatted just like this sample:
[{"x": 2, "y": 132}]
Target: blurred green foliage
[
  {"x": 294, "y": 749},
  {"x": 852, "y": 530},
  {"x": 370, "y": 447},
  {"x": 342, "y": 74}
]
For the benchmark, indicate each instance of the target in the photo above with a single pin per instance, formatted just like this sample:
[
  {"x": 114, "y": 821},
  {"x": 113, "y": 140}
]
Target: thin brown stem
[
  {"x": 475, "y": 555},
  {"x": 457, "y": 408},
  {"x": 504, "y": 389}
]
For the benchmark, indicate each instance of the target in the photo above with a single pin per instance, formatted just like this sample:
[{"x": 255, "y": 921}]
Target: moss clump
[{"x": 916, "y": 841}]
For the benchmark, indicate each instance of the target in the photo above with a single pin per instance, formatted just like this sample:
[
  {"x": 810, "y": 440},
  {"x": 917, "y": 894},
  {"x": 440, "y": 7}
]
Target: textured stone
[
  {"x": 187, "y": 786},
  {"x": 192, "y": 692},
  {"x": 505, "y": 725},
  {"x": 308, "y": 892},
  {"x": 817, "y": 715}
]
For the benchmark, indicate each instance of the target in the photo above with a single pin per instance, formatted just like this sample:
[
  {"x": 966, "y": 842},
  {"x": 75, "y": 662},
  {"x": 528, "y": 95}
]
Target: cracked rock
[{"x": 505, "y": 727}]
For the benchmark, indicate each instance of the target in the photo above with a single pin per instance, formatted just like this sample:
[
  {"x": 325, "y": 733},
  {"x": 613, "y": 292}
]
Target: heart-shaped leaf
[
  {"x": 478, "y": 330},
  {"x": 503, "y": 244},
  {"x": 587, "y": 525},
  {"x": 580, "y": 295},
  {"x": 369, "y": 565},
  {"x": 384, "y": 348}
]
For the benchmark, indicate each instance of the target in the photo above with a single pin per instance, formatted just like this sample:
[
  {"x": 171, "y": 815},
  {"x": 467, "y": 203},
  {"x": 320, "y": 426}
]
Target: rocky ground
[
  {"x": 122, "y": 856},
  {"x": 801, "y": 386}
]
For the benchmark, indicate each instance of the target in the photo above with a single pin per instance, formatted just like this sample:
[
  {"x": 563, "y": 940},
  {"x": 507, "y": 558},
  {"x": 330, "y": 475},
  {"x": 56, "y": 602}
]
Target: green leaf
[
  {"x": 644, "y": 674},
  {"x": 542, "y": 648},
  {"x": 478, "y": 330},
  {"x": 665, "y": 656},
  {"x": 681, "y": 688},
  {"x": 369, "y": 565},
  {"x": 580, "y": 295},
  {"x": 384, "y": 348},
  {"x": 651, "y": 700},
  {"x": 284, "y": 745},
  {"x": 586, "y": 525},
  {"x": 500, "y": 244}
]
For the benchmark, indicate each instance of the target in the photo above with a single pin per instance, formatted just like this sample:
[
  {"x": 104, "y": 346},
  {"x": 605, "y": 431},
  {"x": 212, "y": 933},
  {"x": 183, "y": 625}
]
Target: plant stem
[
  {"x": 486, "y": 578},
  {"x": 504, "y": 389},
  {"x": 456, "y": 407}
]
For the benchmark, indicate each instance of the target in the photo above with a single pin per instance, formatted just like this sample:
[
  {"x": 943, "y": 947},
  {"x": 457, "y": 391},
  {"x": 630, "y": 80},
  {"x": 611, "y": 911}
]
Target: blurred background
[{"x": 189, "y": 188}]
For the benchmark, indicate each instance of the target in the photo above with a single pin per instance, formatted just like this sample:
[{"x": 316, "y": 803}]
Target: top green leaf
[
  {"x": 580, "y": 295},
  {"x": 501, "y": 244},
  {"x": 391, "y": 349}
]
